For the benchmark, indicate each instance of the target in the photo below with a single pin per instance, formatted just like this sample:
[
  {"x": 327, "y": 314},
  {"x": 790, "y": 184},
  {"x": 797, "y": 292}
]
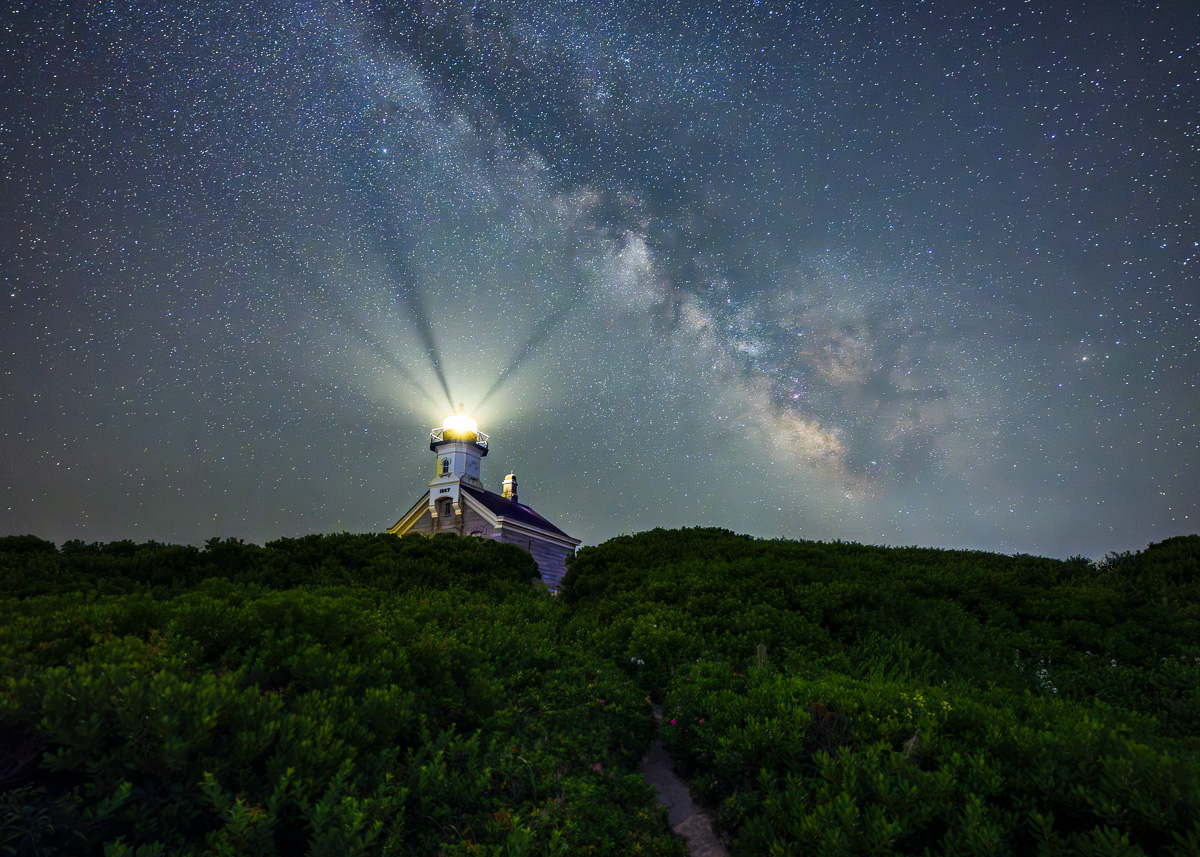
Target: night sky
[{"x": 897, "y": 273}]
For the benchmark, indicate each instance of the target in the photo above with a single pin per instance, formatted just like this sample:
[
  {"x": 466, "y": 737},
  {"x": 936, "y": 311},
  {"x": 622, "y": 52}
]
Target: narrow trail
[{"x": 688, "y": 820}]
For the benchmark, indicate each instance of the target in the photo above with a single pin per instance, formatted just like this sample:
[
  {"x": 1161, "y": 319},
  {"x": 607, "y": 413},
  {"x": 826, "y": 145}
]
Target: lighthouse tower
[
  {"x": 459, "y": 445},
  {"x": 457, "y": 502}
]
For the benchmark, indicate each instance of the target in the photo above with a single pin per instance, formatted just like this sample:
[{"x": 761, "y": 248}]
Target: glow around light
[{"x": 460, "y": 424}]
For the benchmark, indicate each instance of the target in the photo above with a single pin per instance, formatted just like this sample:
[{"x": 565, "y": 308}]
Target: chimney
[{"x": 510, "y": 487}]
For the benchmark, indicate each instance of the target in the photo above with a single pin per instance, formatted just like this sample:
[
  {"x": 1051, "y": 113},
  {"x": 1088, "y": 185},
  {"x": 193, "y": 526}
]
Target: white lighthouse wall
[
  {"x": 469, "y": 523},
  {"x": 463, "y": 460},
  {"x": 550, "y": 557}
]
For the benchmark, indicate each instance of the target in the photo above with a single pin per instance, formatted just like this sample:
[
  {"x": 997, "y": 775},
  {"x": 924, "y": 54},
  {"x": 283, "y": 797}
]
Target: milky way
[{"x": 897, "y": 273}]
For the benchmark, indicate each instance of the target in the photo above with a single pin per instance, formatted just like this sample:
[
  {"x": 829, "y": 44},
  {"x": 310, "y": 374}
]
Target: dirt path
[{"x": 686, "y": 819}]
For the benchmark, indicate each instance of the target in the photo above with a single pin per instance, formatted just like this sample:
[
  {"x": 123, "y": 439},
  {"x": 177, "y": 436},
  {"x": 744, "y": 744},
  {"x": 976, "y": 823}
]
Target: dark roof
[{"x": 501, "y": 506}]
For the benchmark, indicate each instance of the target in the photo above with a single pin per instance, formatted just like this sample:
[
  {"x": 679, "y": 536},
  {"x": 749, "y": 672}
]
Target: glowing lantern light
[
  {"x": 460, "y": 424},
  {"x": 458, "y": 427}
]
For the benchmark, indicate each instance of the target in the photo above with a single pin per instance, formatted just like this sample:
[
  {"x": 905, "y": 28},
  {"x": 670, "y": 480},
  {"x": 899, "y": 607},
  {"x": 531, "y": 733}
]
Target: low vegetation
[{"x": 362, "y": 694}]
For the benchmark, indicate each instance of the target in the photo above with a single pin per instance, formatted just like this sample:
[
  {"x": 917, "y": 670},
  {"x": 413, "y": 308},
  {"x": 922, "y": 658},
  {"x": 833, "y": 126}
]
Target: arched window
[{"x": 445, "y": 466}]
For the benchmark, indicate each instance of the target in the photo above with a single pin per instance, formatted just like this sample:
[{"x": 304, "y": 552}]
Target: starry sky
[{"x": 897, "y": 273}]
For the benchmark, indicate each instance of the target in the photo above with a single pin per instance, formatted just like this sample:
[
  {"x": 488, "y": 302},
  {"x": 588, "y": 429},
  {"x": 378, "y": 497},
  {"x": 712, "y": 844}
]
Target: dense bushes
[
  {"x": 432, "y": 711},
  {"x": 372, "y": 695},
  {"x": 30, "y": 566},
  {"x": 845, "y": 699},
  {"x": 834, "y": 765},
  {"x": 1026, "y": 623}
]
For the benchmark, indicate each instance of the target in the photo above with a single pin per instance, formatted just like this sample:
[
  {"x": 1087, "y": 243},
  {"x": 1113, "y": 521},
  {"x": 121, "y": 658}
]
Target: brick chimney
[{"x": 510, "y": 487}]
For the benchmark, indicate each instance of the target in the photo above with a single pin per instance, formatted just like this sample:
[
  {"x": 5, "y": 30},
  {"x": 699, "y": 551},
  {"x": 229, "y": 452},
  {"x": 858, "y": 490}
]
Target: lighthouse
[{"x": 457, "y": 502}]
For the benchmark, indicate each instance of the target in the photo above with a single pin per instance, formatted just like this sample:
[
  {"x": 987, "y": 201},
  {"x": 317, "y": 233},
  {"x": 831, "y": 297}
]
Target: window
[{"x": 445, "y": 466}]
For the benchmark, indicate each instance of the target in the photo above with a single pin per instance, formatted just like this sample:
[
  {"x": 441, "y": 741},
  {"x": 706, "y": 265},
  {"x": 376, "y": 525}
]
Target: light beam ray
[
  {"x": 412, "y": 302},
  {"x": 319, "y": 286},
  {"x": 540, "y": 334},
  {"x": 390, "y": 240}
]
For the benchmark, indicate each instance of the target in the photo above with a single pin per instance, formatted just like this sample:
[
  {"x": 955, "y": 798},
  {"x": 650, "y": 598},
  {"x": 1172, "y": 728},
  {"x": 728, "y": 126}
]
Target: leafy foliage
[
  {"x": 30, "y": 566},
  {"x": 370, "y": 695},
  {"x": 845, "y": 699},
  {"x": 336, "y": 695}
]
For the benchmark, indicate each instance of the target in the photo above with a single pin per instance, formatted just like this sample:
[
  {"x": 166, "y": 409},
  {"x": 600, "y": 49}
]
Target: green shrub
[
  {"x": 233, "y": 718},
  {"x": 830, "y": 764},
  {"x": 363, "y": 694}
]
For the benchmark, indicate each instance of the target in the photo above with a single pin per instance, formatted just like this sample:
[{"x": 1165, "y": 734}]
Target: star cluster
[{"x": 901, "y": 273}]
